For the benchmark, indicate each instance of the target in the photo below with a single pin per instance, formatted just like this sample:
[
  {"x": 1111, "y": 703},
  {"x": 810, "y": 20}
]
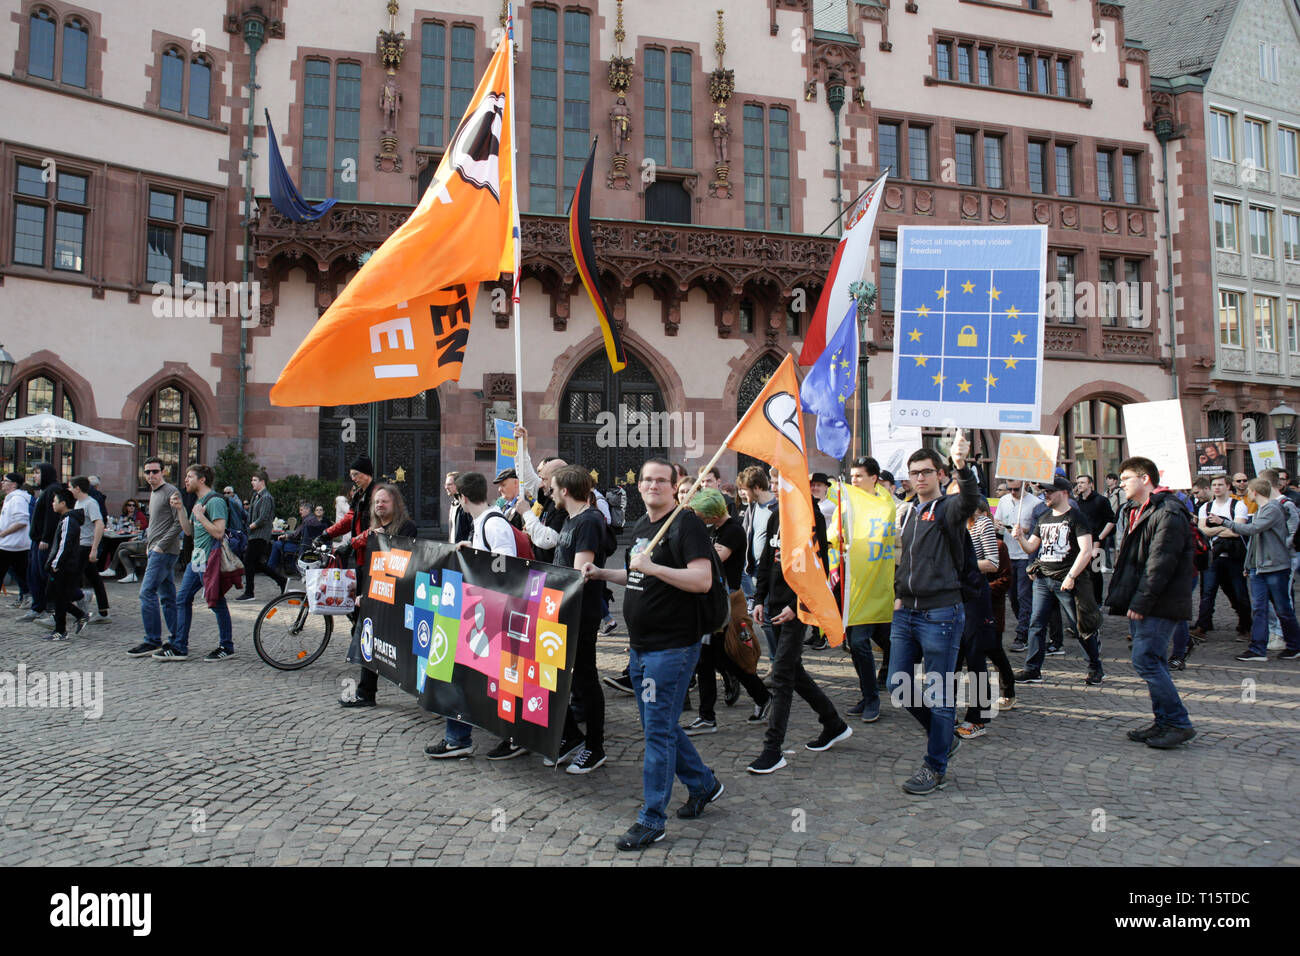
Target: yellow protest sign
[{"x": 1027, "y": 457}]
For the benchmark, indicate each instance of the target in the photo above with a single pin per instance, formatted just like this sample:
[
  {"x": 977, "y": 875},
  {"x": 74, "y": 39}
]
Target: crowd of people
[{"x": 1042, "y": 548}]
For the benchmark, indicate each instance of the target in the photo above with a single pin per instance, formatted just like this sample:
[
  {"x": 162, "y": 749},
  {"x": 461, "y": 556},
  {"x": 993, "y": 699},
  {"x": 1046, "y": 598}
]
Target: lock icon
[{"x": 966, "y": 338}]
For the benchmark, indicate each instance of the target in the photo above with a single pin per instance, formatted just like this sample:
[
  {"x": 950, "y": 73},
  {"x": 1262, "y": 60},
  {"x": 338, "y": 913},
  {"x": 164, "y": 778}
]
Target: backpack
[
  {"x": 617, "y": 500},
  {"x": 715, "y": 606},
  {"x": 523, "y": 544},
  {"x": 1200, "y": 548}
]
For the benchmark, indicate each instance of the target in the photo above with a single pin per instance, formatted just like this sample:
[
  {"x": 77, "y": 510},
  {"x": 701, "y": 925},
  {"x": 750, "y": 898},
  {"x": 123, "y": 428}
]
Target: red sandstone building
[{"x": 718, "y": 170}]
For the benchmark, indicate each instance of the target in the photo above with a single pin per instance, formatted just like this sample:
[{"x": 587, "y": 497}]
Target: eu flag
[
  {"x": 284, "y": 194},
  {"x": 831, "y": 381}
]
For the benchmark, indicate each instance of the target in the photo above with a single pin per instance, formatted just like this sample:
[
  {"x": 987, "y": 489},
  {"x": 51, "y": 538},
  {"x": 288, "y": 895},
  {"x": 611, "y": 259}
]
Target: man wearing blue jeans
[
  {"x": 1152, "y": 585},
  {"x": 928, "y": 614},
  {"x": 661, "y": 608},
  {"x": 1017, "y": 507},
  {"x": 207, "y": 523},
  {"x": 163, "y": 546}
]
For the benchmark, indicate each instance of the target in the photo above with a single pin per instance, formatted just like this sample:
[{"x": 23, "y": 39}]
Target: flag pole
[
  {"x": 844, "y": 555},
  {"x": 509, "y": 38},
  {"x": 883, "y": 174}
]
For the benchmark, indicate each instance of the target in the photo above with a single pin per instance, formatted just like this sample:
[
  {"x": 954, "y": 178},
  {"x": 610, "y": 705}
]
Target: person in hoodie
[
  {"x": 63, "y": 567},
  {"x": 1152, "y": 585},
  {"x": 15, "y": 516},
  {"x": 1268, "y": 565},
  {"x": 43, "y": 479},
  {"x": 929, "y": 617}
]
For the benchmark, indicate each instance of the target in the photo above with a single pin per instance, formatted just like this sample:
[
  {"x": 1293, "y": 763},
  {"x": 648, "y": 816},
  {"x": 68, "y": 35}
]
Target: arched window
[
  {"x": 173, "y": 80},
  {"x": 40, "y": 52},
  {"x": 200, "y": 86},
  {"x": 76, "y": 46},
  {"x": 1092, "y": 438},
  {"x": 169, "y": 426},
  {"x": 37, "y": 395}
]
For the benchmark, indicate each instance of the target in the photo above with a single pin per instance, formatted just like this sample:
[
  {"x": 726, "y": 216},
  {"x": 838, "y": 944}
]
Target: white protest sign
[
  {"x": 1265, "y": 454},
  {"x": 891, "y": 444},
  {"x": 1155, "y": 431}
]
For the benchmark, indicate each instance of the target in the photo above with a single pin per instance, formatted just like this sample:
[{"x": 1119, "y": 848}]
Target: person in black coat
[
  {"x": 1152, "y": 585},
  {"x": 43, "y": 479}
]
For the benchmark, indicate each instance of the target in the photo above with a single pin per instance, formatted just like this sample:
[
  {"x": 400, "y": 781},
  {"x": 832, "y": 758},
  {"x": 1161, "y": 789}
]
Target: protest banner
[
  {"x": 1265, "y": 454},
  {"x": 484, "y": 638},
  {"x": 968, "y": 338},
  {"x": 1155, "y": 431},
  {"x": 507, "y": 445},
  {"x": 1211, "y": 457},
  {"x": 1027, "y": 457}
]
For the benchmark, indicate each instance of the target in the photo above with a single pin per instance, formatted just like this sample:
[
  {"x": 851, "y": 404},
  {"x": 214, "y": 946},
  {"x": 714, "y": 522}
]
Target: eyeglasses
[
  {"x": 923, "y": 473},
  {"x": 656, "y": 481},
  {"x": 153, "y": 471}
]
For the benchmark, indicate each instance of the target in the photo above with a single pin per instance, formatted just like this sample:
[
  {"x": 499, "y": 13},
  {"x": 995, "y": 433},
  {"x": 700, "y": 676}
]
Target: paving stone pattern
[{"x": 238, "y": 763}]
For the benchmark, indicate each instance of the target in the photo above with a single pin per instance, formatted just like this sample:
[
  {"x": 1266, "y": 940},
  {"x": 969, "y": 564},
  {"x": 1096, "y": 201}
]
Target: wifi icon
[{"x": 551, "y": 643}]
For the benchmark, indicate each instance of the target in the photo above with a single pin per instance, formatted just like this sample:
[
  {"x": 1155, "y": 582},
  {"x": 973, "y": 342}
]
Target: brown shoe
[{"x": 1197, "y": 632}]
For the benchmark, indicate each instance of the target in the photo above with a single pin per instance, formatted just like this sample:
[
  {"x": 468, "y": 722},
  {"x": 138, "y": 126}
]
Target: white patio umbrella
[{"x": 46, "y": 427}]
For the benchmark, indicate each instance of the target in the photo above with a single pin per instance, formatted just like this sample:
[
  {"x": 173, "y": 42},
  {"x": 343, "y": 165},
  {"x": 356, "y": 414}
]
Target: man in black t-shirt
[
  {"x": 1062, "y": 543},
  {"x": 1101, "y": 522},
  {"x": 582, "y": 545},
  {"x": 662, "y": 607},
  {"x": 729, "y": 541}
]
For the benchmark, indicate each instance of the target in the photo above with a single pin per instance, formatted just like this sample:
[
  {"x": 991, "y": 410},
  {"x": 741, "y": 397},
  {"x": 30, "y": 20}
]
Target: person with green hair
[{"x": 729, "y": 541}]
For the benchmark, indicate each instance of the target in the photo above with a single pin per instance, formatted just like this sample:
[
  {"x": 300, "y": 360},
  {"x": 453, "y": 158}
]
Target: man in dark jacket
[
  {"x": 259, "y": 538},
  {"x": 929, "y": 616},
  {"x": 42, "y": 479},
  {"x": 1152, "y": 584},
  {"x": 357, "y": 523},
  {"x": 776, "y": 603}
]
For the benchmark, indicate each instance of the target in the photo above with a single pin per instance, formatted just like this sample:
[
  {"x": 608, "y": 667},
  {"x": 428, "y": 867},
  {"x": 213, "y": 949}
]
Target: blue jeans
[
  {"x": 1024, "y": 597},
  {"x": 36, "y": 577},
  {"x": 1151, "y": 637},
  {"x": 668, "y": 750},
  {"x": 934, "y": 637},
  {"x": 864, "y": 662},
  {"x": 1048, "y": 595},
  {"x": 1272, "y": 587},
  {"x": 280, "y": 548},
  {"x": 159, "y": 582},
  {"x": 192, "y": 584},
  {"x": 459, "y": 734},
  {"x": 1226, "y": 574}
]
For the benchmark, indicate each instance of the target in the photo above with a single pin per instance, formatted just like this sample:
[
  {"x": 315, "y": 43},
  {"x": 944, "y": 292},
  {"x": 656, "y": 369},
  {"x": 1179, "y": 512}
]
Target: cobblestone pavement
[{"x": 237, "y": 763}]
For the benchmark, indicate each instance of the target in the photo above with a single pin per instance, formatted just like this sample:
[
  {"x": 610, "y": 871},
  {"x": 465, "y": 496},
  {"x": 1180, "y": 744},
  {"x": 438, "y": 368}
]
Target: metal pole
[
  {"x": 254, "y": 34},
  {"x": 835, "y": 99}
]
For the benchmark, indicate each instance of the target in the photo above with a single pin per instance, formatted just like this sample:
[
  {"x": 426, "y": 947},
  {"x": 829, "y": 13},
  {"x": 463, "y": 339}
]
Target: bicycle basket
[{"x": 310, "y": 560}]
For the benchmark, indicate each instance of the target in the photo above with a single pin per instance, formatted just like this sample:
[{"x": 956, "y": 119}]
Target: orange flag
[
  {"x": 402, "y": 323},
  {"x": 772, "y": 431}
]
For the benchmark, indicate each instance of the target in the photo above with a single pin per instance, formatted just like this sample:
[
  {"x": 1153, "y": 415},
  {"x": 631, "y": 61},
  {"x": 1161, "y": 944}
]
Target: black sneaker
[
  {"x": 701, "y": 725},
  {"x": 856, "y": 709},
  {"x": 830, "y": 736},
  {"x": 1178, "y": 663},
  {"x": 506, "y": 750},
  {"x": 819, "y": 643},
  {"x": 759, "y": 716},
  {"x": 609, "y": 628},
  {"x": 445, "y": 751},
  {"x": 1248, "y": 656},
  {"x": 1056, "y": 650},
  {"x": 568, "y": 748},
  {"x": 638, "y": 837},
  {"x": 56, "y": 636},
  {"x": 1289, "y": 655},
  {"x": 143, "y": 649},
  {"x": 730, "y": 688},
  {"x": 1145, "y": 734},
  {"x": 1094, "y": 676},
  {"x": 924, "y": 781},
  {"x": 1170, "y": 737},
  {"x": 246, "y": 597},
  {"x": 622, "y": 682},
  {"x": 220, "y": 654},
  {"x": 79, "y": 624},
  {"x": 169, "y": 653},
  {"x": 586, "y": 761},
  {"x": 1018, "y": 647},
  {"x": 768, "y": 761},
  {"x": 1029, "y": 677},
  {"x": 695, "y": 805}
]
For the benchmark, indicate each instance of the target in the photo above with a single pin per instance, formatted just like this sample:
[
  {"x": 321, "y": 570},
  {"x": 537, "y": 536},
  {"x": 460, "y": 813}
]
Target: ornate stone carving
[
  {"x": 1127, "y": 342},
  {"x": 1137, "y": 224},
  {"x": 1228, "y": 263},
  {"x": 499, "y": 386},
  {"x": 1070, "y": 217},
  {"x": 1232, "y": 360},
  {"x": 997, "y": 209},
  {"x": 1110, "y": 11},
  {"x": 970, "y": 206},
  {"x": 1006, "y": 52},
  {"x": 893, "y": 197},
  {"x": 1267, "y": 362},
  {"x": 1063, "y": 340},
  {"x": 1262, "y": 268},
  {"x": 1043, "y": 213},
  {"x": 1110, "y": 221},
  {"x": 922, "y": 202}
]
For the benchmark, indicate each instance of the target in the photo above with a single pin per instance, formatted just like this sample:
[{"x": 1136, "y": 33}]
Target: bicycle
[{"x": 287, "y": 635}]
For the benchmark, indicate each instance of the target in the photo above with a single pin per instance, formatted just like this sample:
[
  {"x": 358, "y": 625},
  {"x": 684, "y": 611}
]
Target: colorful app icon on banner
[
  {"x": 535, "y": 706},
  {"x": 450, "y": 597},
  {"x": 493, "y": 686},
  {"x": 548, "y": 676},
  {"x": 552, "y": 638},
  {"x": 519, "y": 618},
  {"x": 480, "y": 630},
  {"x": 408, "y": 616},
  {"x": 421, "y": 664},
  {"x": 422, "y": 633},
  {"x": 512, "y": 678},
  {"x": 550, "y": 609},
  {"x": 442, "y": 649},
  {"x": 506, "y": 706},
  {"x": 532, "y": 672},
  {"x": 536, "y": 581},
  {"x": 426, "y": 591}
]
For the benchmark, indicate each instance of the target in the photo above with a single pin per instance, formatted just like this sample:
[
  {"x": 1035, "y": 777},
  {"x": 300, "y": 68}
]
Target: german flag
[{"x": 584, "y": 257}]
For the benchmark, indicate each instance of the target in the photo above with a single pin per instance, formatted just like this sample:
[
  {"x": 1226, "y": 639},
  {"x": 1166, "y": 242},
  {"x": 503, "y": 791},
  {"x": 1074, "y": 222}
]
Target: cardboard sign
[
  {"x": 1155, "y": 431},
  {"x": 891, "y": 444},
  {"x": 507, "y": 444},
  {"x": 1211, "y": 457},
  {"x": 1027, "y": 457},
  {"x": 1265, "y": 454}
]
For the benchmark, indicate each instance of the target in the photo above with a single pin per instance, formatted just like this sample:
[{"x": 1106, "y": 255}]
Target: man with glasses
[
  {"x": 163, "y": 547},
  {"x": 1152, "y": 585},
  {"x": 1017, "y": 507},
  {"x": 929, "y": 616},
  {"x": 1242, "y": 493}
]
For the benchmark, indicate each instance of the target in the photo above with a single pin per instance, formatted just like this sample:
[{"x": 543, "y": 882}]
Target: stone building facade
[{"x": 717, "y": 167}]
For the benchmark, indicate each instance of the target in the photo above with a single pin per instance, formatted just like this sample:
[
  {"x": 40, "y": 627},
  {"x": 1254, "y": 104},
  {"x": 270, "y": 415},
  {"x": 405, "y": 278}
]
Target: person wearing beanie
[{"x": 357, "y": 523}]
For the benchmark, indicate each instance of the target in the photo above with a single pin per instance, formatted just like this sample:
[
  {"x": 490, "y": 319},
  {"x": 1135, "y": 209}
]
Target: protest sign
[
  {"x": 1265, "y": 454},
  {"x": 1211, "y": 457},
  {"x": 1155, "y": 431},
  {"x": 506, "y": 444},
  {"x": 483, "y": 638},
  {"x": 891, "y": 443},
  {"x": 1027, "y": 457},
  {"x": 968, "y": 333}
]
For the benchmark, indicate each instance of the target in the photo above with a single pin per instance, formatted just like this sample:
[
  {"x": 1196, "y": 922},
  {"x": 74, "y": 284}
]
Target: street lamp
[
  {"x": 1282, "y": 417},
  {"x": 6, "y": 367}
]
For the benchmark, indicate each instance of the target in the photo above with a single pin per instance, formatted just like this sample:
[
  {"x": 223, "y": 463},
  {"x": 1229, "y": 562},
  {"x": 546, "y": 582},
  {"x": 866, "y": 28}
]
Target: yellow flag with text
[
  {"x": 772, "y": 431},
  {"x": 868, "y": 551}
]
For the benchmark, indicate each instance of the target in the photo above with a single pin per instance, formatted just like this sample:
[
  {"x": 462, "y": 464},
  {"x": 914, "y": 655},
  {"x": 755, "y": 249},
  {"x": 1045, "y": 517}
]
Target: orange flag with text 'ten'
[
  {"x": 772, "y": 431},
  {"x": 402, "y": 323}
]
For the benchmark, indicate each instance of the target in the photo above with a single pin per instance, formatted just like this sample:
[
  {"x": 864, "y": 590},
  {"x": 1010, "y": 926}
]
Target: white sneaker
[
  {"x": 108, "y": 573},
  {"x": 129, "y": 579},
  {"x": 100, "y": 619}
]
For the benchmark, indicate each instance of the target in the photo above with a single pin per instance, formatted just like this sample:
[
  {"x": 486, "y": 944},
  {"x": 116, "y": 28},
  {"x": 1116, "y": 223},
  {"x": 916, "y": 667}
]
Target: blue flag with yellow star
[{"x": 830, "y": 385}]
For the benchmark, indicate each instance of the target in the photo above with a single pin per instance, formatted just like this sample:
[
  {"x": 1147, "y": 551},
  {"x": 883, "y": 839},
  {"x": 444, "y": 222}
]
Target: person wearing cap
[
  {"x": 357, "y": 523},
  {"x": 1061, "y": 543},
  {"x": 507, "y": 482},
  {"x": 15, "y": 517}
]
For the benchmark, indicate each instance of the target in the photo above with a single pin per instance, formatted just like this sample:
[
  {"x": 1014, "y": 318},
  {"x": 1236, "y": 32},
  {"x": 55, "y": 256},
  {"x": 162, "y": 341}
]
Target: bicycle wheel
[{"x": 287, "y": 635}]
